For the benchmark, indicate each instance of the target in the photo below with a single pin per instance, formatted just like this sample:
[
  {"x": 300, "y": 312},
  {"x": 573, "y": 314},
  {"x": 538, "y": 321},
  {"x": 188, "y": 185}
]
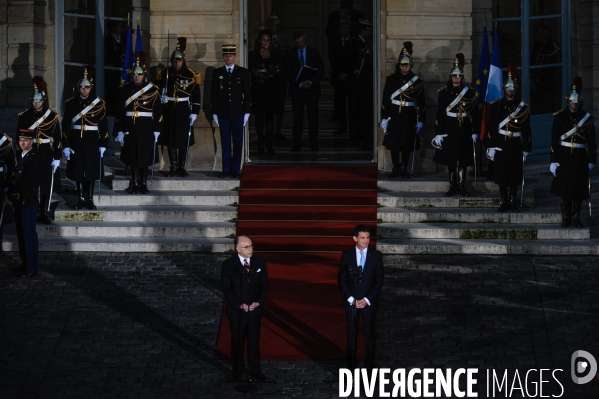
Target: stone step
[
  {"x": 204, "y": 180},
  {"x": 487, "y": 247},
  {"x": 132, "y": 244},
  {"x": 467, "y": 215},
  {"x": 481, "y": 231},
  {"x": 138, "y": 229},
  {"x": 176, "y": 197},
  {"x": 437, "y": 200},
  {"x": 147, "y": 213},
  {"x": 423, "y": 182}
]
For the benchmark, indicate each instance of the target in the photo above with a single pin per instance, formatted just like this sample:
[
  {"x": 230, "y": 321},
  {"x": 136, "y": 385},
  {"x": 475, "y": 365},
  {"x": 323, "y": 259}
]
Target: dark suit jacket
[
  {"x": 236, "y": 288},
  {"x": 372, "y": 276},
  {"x": 343, "y": 59},
  {"x": 230, "y": 96},
  {"x": 313, "y": 60},
  {"x": 25, "y": 180}
]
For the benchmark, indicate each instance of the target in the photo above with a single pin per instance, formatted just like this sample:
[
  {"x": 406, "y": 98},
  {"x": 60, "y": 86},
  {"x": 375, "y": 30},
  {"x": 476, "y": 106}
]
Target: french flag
[{"x": 495, "y": 85}]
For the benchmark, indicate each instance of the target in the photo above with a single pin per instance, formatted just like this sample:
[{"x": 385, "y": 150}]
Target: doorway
[{"x": 334, "y": 144}]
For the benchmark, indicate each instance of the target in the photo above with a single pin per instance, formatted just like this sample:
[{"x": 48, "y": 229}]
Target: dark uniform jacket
[
  {"x": 231, "y": 96},
  {"x": 139, "y": 118},
  {"x": 458, "y": 143},
  {"x": 7, "y": 164},
  {"x": 572, "y": 181},
  {"x": 84, "y": 136},
  {"x": 183, "y": 92},
  {"x": 46, "y": 130},
  {"x": 239, "y": 288},
  {"x": 507, "y": 166},
  {"x": 401, "y": 130},
  {"x": 25, "y": 180}
]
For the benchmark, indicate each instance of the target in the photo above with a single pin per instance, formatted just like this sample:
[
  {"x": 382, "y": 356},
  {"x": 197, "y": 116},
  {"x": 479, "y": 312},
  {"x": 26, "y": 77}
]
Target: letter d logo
[{"x": 579, "y": 367}]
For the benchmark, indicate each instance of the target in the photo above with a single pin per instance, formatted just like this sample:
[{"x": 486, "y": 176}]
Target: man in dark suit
[
  {"x": 343, "y": 59},
  {"x": 231, "y": 98},
  {"x": 306, "y": 91},
  {"x": 360, "y": 280},
  {"x": 245, "y": 283},
  {"x": 347, "y": 13}
]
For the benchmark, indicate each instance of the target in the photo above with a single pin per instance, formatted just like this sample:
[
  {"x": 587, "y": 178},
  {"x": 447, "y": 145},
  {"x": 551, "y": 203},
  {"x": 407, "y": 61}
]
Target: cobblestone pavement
[{"x": 145, "y": 325}]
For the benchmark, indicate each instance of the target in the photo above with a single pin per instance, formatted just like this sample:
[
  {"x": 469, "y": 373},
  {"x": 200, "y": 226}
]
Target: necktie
[
  {"x": 229, "y": 71},
  {"x": 361, "y": 259},
  {"x": 302, "y": 61},
  {"x": 246, "y": 265}
]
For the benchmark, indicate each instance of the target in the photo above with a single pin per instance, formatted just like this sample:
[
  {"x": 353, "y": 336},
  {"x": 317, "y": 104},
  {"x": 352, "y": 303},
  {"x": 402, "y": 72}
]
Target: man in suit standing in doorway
[
  {"x": 360, "y": 280},
  {"x": 304, "y": 92}
]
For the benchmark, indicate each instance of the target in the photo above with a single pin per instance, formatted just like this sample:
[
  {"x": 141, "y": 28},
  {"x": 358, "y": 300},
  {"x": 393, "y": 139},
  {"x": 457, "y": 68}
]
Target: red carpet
[{"x": 300, "y": 218}]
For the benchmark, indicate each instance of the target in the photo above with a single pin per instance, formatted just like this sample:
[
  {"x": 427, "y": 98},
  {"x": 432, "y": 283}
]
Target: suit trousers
[
  {"x": 244, "y": 328},
  {"x": 368, "y": 319},
  {"x": 309, "y": 98},
  {"x": 25, "y": 223},
  {"x": 231, "y": 131}
]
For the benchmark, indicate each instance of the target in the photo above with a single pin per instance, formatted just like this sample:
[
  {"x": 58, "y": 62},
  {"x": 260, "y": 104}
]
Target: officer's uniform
[
  {"x": 573, "y": 148},
  {"x": 403, "y": 106},
  {"x": 7, "y": 166},
  {"x": 84, "y": 131},
  {"x": 181, "y": 99}
]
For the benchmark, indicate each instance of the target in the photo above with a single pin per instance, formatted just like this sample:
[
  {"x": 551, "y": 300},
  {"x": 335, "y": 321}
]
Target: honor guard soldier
[
  {"x": 573, "y": 155},
  {"x": 456, "y": 127},
  {"x": 231, "y": 98},
  {"x": 138, "y": 124},
  {"x": 509, "y": 140},
  {"x": 43, "y": 120},
  {"x": 180, "y": 88},
  {"x": 84, "y": 138},
  {"x": 23, "y": 194},
  {"x": 403, "y": 112},
  {"x": 7, "y": 166}
]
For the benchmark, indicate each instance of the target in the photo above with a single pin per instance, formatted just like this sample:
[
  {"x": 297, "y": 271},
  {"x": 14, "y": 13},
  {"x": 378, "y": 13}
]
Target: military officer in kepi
[
  {"x": 7, "y": 166},
  {"x": 139, "y": 123},
  {"x": 84, "y": 138},
  {"x": 573, "y": 155},
  {"x": 43, "y": 120},
  {"x": 403, "y": 111},
  {"x": 180, "y": 89},
  {"x": 456, "y": 127},
  {"x": 509, "y": 141}
]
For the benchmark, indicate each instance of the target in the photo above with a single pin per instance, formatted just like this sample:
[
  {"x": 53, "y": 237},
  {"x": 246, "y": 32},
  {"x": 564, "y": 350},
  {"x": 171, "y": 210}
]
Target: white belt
[
  {"x": 509, "y": 133},
  {"x": 85, "y": 127},
  {"x": 1, "y": 168},
  {"x": 573, "y": 145},
  {"x": 43, "y": 141},
  {"x": 455, "y": 115},
  {"x": 137, "y": 114},
  {"x": 404, "y": 103},
  {"x": 177, "y": 99}
]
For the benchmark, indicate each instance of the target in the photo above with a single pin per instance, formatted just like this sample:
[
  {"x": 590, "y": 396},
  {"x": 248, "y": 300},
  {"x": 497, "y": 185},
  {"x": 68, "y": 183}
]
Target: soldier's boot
[
  {"x": 462, "y": 182},
  {"x": 576, "y": 219},
  {"x": 134, "y": 183},
  {"x": 396, "y": 170},
  {"x": 89, "y": 203},
  {"x": 174, "y": 170},
  {"x": 566, "y": 213},
  {"x": 80, "y": 199},
  {"x": 42, "y": 216},
  {"x": 143, "y": 178},
  {"x": 182, "y": 164},
  {"x": 514, "y": 198},
  {"x": 453, "y": 182},
  {"x": 405, "y": 157},
  {"x": 504, "y": 205}
]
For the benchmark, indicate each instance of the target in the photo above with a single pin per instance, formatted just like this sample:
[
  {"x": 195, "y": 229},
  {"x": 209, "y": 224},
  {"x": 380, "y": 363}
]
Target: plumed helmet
[
  {"x": 39, "y": 90},
  {"x": 88, "y": 78},
  {"x": 458, "y": 66},
  {"x": 140, "y": 64},
  {"x": 510, "y": 83},
  {"x": 574, "y": 94},
  {"x": 179, "y": 53},
  {"x": 405, "y": 58}
]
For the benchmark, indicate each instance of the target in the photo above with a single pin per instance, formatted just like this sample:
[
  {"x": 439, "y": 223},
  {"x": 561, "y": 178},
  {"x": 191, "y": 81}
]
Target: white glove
[
  {"x": 66, "y": 152},
  {"x": 215, "y": 119},
  {"x": 245, "y": 118},
  {"x": 121, "y": 138},
  {"x": 156, "y": 134},
  {"x": 102, "y": 149},
  {"x": 474, "y": 137},
  {"x": 524, "y": 154},
  {"x": 419, "y": 126},
  {"x": 591, "y": 166},
  {"x": 438, "y": 140},
  {"x": 553, "y": 168},
  {"x": 163, "y": 99},
  {"x": 55, "y": 164},
  {"x": 192, "y": 118},
  {"x": 384, "y": 124},
  {"x": 491, "y": 153}
]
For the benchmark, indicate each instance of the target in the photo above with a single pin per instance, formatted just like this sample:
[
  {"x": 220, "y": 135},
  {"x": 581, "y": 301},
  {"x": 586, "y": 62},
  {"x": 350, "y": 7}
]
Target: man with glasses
[{"x": 245, "y": 283}]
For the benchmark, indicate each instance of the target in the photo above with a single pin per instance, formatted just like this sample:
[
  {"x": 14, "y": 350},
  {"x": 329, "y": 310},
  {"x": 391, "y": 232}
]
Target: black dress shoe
[
  {"x": 45, "y": 219},
  {"x": 257, "y": 375},
  {"x": 90, "y": 205},
  {"x": 173, "y": 172},
  {"x": 143, "y": 189},
  {"x": 295, "y": 148},
  {"x": 79, "y": 205},
  {"x": 32, "y": 274},
  {"x": 19, "y": 269},
  {"x": 223, "y": 174},
  {"x": 183, "y": 172},
  {"x": 235, "y": 175}
]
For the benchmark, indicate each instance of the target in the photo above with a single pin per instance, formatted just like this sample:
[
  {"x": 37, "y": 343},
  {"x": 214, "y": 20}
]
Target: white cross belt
[
  {"x": 43, "y": 141},
  {"x": 85, "y": 127},
  {"x": 455, "y": 115},
  {"x": 404, "y": 103},
  {"x": 178, "y": 99},
  {"x": 573, "y": 145},
  {"x": 137, "y": 114}
]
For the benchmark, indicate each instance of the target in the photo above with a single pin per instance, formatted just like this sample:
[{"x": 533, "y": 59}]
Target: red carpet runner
[{"x": 300, "y": 218}]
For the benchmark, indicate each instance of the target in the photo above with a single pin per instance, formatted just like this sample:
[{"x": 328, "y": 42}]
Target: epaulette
[
  {"x": 155, "y": 86},
  {"x": 22, "y": 112},
  {"x": 159, "y": 73},
  {"x": 557, "y": 112},
  {"x": 7, "y": 137},
  {"x": 197, "y": 77}
]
